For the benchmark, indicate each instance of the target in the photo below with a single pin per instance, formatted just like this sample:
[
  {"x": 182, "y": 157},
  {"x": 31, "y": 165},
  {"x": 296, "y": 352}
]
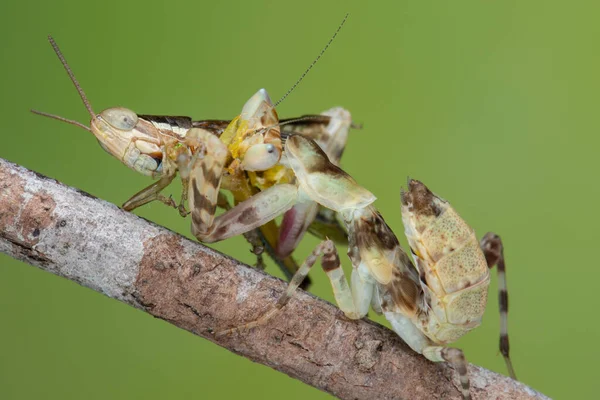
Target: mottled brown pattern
[
  {"x": 420, "y": 198},
  {"x": 11, "y": 192},
  {"x": 272, "y": 135},
  {"x": 212, "y": 177},
  {"x": 170, "y": 282},
  {"x": 330, "y": 261},
  {"x": 32, "y": 214},
  {"x": 457, "y": 358},
  {"x": 368, "y": 354},
  {"x": 315, "y": 159},
  {"x": 37, "y": 215},
  {"x": 353, "y": 252},
  {"x": 269, "y": 117},
  {"x": 249, "y": 216},
  {"x": 372, "y": 231},
  {"x": 201, "y": 202},
  {"x": 333, "y": 170},
  {"x": 304, "y": 147},
  {"x": 492, "y": 247},
  {"x": 404, "y": 292},
  {"x": 314, "y": 127},
  {"x": 221, "y": 231}
]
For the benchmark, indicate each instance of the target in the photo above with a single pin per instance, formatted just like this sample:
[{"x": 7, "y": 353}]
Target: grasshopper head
[
  {"x": 119, "y": 131},
  {"x": 133, "y": 141},
  {"x": 262, "y": 141}
]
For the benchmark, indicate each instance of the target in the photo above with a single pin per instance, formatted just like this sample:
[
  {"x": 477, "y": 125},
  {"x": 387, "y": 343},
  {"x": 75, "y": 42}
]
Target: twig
[{"x": 98, "y": 245}]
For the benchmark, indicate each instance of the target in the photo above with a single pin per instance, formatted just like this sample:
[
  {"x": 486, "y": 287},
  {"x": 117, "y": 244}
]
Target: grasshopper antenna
[
  {"x": 313, "y": 63},
  {"x": 72, "y": 76},
  {"x": 86, "y": 102},
  {"x": 68, "y": 121}
]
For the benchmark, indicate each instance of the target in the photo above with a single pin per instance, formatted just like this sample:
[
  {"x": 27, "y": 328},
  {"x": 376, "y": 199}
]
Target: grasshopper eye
[
  {"x": 260, "y": 157},
  {"x": 120, "y": 118}
]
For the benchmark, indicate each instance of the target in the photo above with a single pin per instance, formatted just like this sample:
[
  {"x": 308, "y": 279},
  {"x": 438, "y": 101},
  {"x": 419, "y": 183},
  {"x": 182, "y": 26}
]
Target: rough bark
[{"x": 96, "y": 244}]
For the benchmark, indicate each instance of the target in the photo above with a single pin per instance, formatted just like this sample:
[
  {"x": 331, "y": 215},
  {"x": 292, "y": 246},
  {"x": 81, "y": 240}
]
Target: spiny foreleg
[{"x": 245, "y": 216}]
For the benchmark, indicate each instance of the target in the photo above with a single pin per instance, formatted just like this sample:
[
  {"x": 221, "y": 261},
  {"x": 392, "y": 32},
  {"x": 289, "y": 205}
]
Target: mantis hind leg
[
  {"x": 354, "y": 302},
  {"x": 493, "y": 249},
  {"x": 455, "y": 357},
  {"x": 408, "y": 331}
]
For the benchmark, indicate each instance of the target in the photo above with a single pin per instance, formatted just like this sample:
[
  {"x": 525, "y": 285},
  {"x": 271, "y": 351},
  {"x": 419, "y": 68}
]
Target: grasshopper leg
[
  {"x": 492, "y": 247},
  {"x": 151, "y": 193},
  {"x": 184, "y": 196}
]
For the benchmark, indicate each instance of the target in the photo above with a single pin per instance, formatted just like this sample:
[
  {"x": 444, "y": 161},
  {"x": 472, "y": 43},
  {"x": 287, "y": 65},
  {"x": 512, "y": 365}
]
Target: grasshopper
[
  {"x": 202, "y": 152},
  {"x": 429, "y": 303}
]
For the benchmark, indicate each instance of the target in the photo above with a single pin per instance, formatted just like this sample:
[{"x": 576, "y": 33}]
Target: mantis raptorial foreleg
[{"x": 245, "y": 216}]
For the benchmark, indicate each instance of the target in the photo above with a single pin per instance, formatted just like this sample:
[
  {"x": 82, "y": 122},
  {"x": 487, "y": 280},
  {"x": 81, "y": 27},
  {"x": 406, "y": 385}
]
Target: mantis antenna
[{"x": 313, "y": 63}]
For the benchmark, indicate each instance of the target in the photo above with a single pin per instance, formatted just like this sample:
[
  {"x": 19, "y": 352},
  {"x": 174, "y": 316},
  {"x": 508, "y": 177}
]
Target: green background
[{"x": 493, "y": 104}]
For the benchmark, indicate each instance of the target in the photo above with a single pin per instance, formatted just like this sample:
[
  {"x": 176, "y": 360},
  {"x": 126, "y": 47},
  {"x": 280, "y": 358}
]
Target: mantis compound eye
[
  {"x": 120, "y": 118},
  {"x": 260, "y": 157}
]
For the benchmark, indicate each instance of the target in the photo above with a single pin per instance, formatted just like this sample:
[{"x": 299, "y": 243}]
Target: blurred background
[{"x": 492, "y": 104}]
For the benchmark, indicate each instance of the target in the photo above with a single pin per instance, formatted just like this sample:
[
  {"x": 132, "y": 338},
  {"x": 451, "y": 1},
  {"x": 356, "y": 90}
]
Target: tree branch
[{"x": 96, "y": 244}]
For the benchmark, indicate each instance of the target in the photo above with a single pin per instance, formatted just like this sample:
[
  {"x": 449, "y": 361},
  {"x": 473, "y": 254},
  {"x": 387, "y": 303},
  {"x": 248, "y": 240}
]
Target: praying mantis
[{"x": 291, "y": 168}]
